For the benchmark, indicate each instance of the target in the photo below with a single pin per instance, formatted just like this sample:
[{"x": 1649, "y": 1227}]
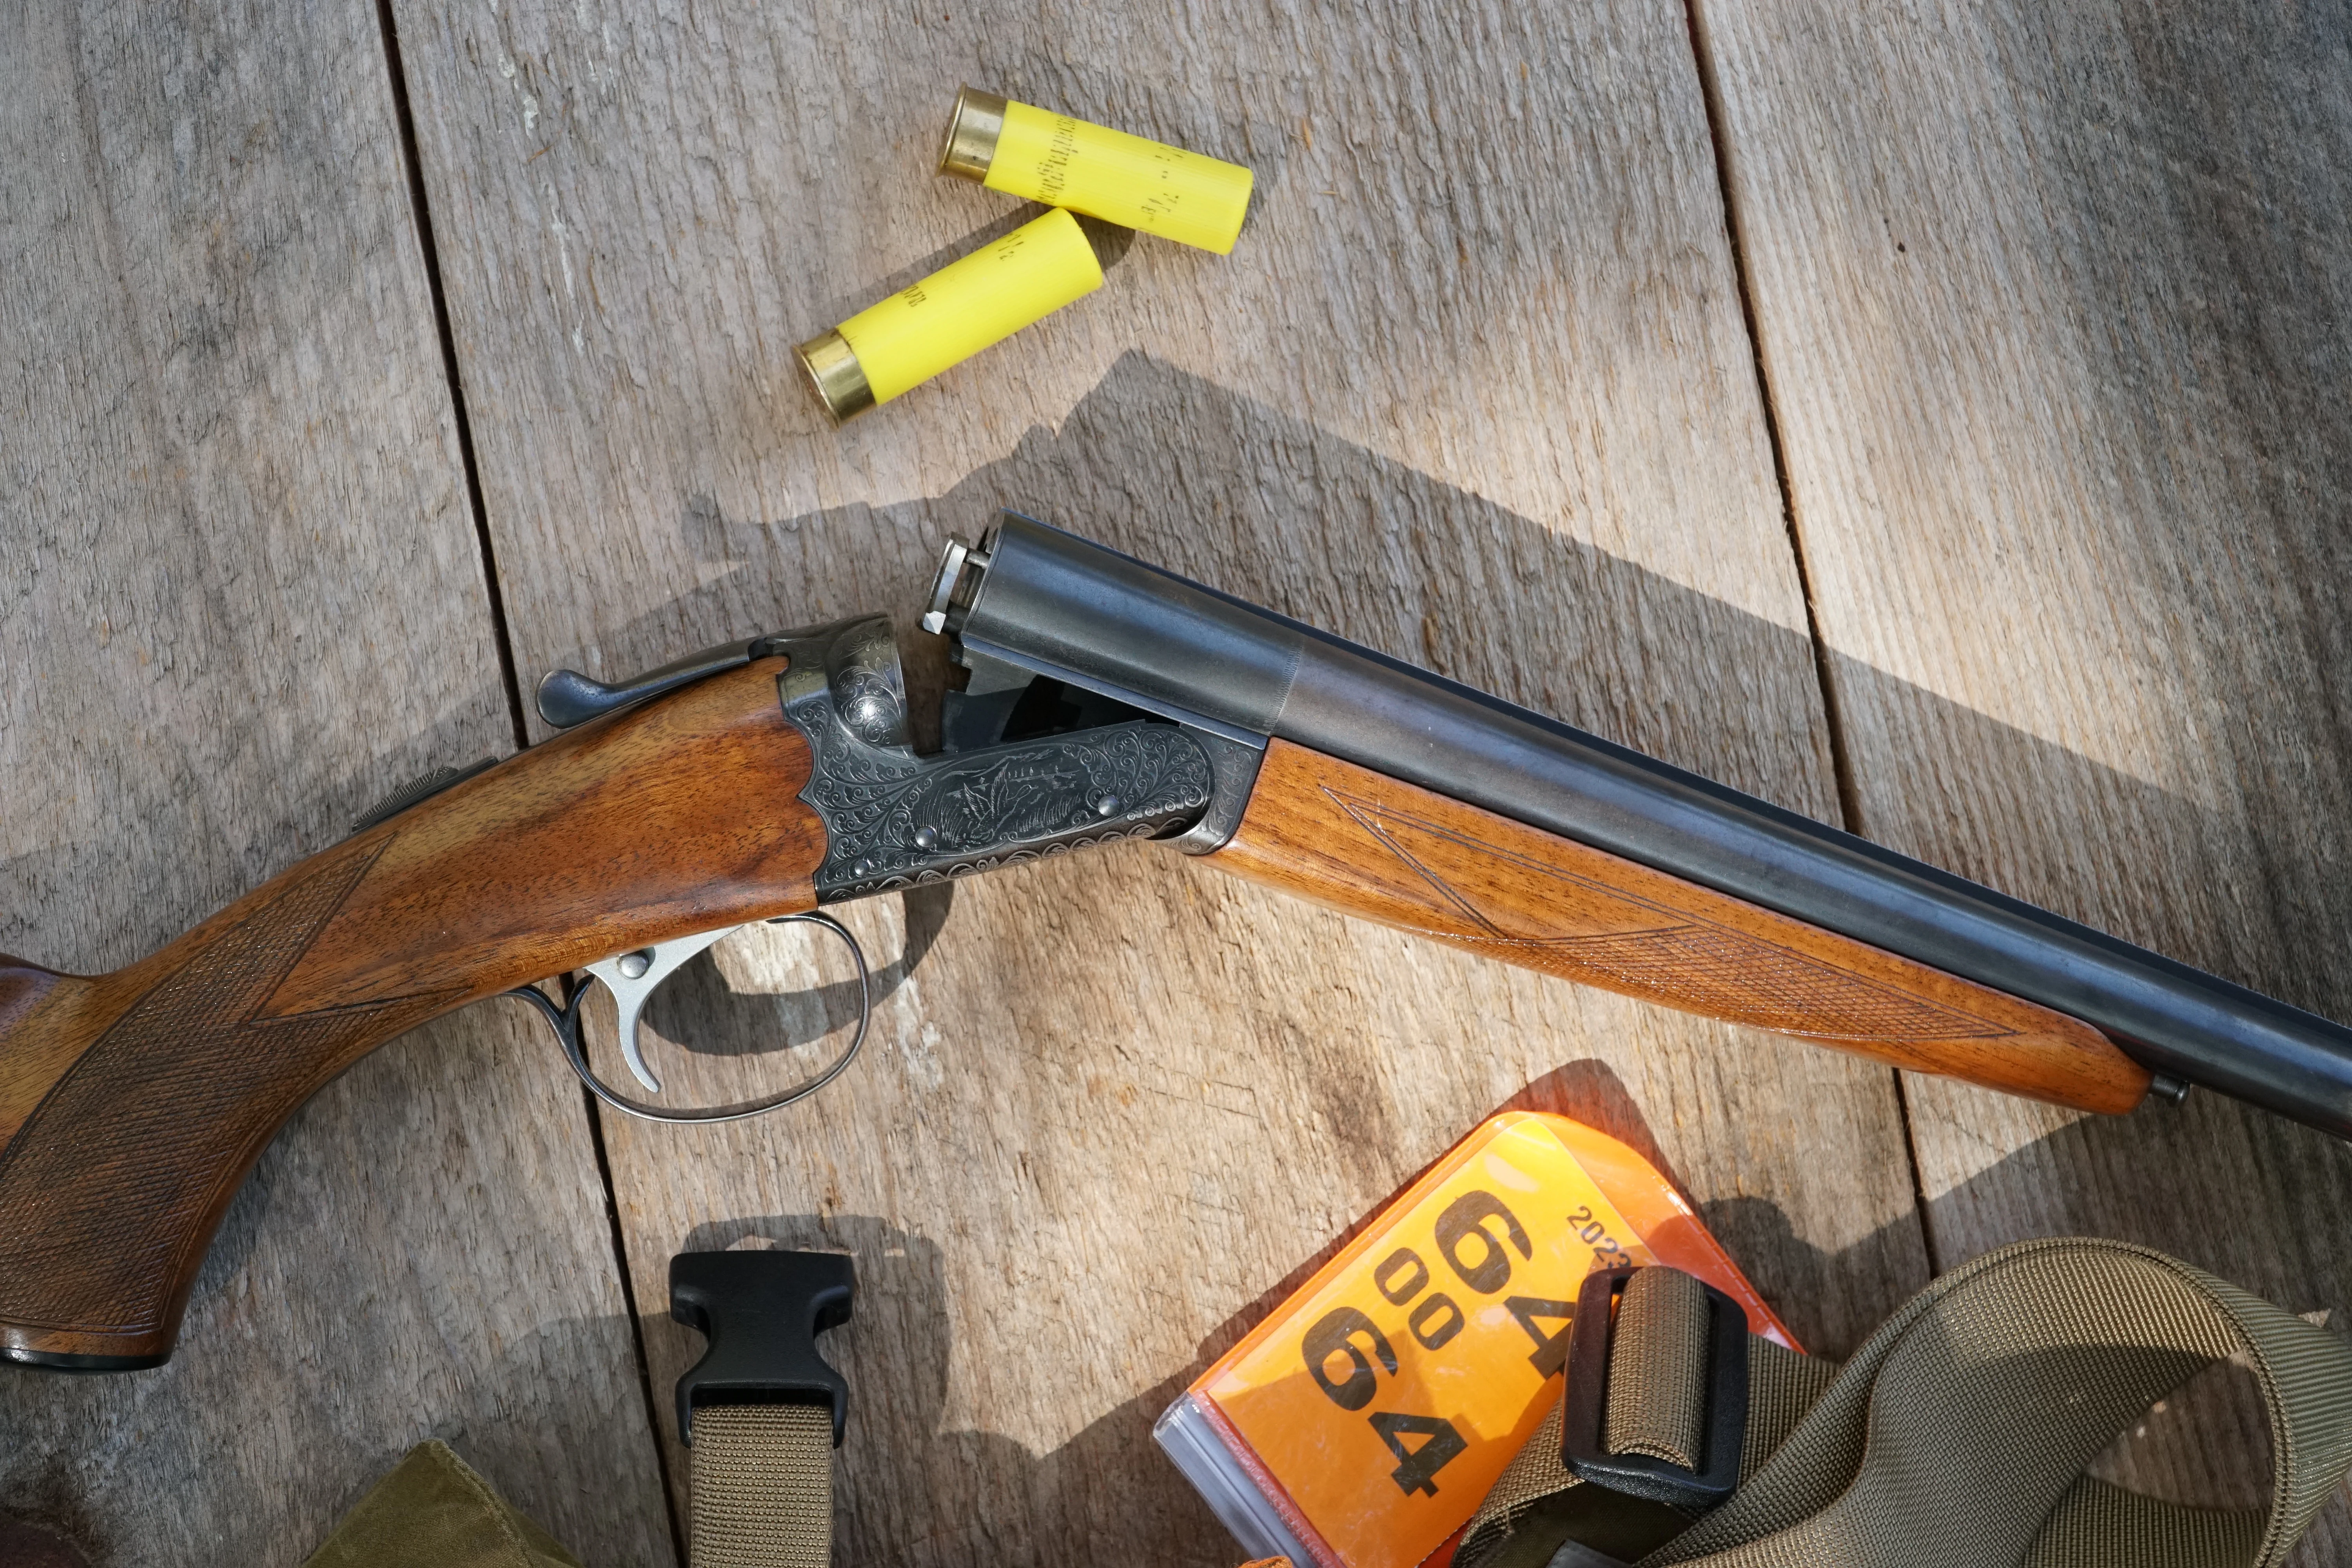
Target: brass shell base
[
  {"x": 973, "y": 131},
  {"x": 834, "y": 373}
]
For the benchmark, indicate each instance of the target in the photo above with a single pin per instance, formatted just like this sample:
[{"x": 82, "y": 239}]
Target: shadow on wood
[
  {"x": 2205, "y": 1444},
  {"x": 1407, "y": 588},
  {"x": 701, "y": 1010},
  {"x": 1412, "y": 566},
  {"x": 2208, "y": 1444}
]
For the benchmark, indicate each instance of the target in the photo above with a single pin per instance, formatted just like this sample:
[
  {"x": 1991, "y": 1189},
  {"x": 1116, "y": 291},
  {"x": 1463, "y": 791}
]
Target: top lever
[{"x": 566, "y": 697}]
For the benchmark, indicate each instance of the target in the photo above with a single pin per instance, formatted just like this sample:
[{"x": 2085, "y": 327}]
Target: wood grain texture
[
  {"x": 1473, "y": 388},
  {"x": 172, "y": 1074},
  {"x": 240, "y": 597},
  {"x": 653, "y": 823},
  {"x": 1380, "y": 849},
  {"x": 2055, "y": 302}
]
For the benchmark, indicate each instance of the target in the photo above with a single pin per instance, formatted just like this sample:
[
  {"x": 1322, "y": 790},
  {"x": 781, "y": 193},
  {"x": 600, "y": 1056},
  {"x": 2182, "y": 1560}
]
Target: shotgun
[{"x": 1104, "y": 699}]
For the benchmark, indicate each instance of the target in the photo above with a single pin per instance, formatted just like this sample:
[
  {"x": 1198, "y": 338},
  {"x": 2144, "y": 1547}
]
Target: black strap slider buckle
[
  {"x": 1723, "y": 1425},
  {"x": 762, "y": 1312}
]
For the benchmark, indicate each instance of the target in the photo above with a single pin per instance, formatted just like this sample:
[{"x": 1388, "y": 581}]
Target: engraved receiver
[{"x": 1104, "y": 699}]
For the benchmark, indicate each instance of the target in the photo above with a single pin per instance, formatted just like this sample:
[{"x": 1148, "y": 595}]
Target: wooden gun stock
[
  {"x": 131, "y": 1104},
  {"x": 1369, "y": 845}
]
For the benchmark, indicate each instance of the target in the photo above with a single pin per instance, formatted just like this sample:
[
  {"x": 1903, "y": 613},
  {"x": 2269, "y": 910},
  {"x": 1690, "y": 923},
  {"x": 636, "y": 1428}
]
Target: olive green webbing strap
[
  {"x": 1658, "y": 1374},
  {"x": 762, "y": 1487},
  {"x": 1956, "y": 1437},
  {"x": 762, "y": 1482},
  {"x": 433, "y": 1511}
]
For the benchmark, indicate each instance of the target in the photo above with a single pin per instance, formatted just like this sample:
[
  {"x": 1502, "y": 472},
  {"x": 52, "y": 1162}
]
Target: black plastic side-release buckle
[
  {"x": 1724, "y": 1424},
  {"x": 762, "y": 1312}
]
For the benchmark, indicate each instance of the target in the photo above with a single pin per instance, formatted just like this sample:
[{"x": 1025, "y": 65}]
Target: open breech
[{"x": 1104, "y": 701}]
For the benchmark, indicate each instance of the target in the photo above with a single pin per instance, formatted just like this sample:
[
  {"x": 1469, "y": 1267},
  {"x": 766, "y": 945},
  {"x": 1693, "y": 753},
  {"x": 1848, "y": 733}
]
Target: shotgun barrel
[
  {"x": 1049, "y": 602},
  {"x": 1107, "y": 701}
]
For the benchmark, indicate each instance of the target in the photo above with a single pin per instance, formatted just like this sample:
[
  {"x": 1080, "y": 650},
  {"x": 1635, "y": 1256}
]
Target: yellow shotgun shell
[
  {"x": 1065, "y": 161},
  {"x": 947, "y": 318}
]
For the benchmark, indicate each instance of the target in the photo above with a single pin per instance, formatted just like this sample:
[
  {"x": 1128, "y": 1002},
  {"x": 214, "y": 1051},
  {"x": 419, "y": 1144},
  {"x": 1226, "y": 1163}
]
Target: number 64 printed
[{"x": 1480, "y": 1258}]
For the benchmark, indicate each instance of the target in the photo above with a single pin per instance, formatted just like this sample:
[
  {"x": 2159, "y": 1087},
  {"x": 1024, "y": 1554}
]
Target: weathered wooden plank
[
  {"x": 2056, "y": 308},
  {"x": 240, "y": 597},
  {"x": 1474, "y": 387}
]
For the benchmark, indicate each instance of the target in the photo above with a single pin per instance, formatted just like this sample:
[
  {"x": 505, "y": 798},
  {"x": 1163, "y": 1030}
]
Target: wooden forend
[
  {"x": 1369, "y": 845},
  {"x": 132, "y": 1104}
]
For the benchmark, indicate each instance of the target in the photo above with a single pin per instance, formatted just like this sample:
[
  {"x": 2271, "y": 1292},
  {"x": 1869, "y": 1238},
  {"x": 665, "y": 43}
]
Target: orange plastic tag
[{"x": 1376, "y": 1407}]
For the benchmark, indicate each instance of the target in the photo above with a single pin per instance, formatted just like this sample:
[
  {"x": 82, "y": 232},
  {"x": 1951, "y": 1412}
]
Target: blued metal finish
[
  {"x": 566, "y": 697},
  {"x": 1236, "y": 767},
  {"x": 893, "y": 819},
  {"x": 1050, "y": 600},
  {"x": 1149, "y": 701},
  {"x": 1054, "y": 603},
  {"x": 565, "y": 1019}
]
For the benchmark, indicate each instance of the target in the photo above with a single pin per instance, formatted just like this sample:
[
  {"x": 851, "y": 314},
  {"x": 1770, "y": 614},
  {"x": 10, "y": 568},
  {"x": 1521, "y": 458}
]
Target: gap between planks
[
  {"x": 421, "y": 212},
  {"x": 1841, "y": 759}
]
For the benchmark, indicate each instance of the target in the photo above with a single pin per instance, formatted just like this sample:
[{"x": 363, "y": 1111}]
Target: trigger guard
[
  {"x": 565, "y": 1019},
  {"x": 631, "y": 995}
]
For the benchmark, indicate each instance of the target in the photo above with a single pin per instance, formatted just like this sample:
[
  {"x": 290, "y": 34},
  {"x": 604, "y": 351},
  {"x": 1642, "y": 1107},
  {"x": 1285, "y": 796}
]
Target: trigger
[{"x": 632, "y": 977}]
